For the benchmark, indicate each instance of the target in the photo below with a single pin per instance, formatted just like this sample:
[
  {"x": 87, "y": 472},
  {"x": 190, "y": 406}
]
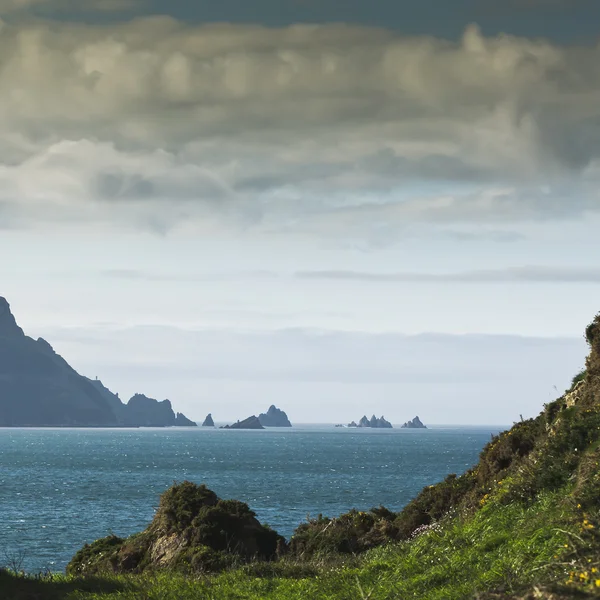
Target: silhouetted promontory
[{"x": 38, "y": 388}]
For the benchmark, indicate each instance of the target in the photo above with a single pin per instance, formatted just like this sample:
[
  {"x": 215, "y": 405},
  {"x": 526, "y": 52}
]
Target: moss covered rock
[{"x": 193, "y": 530}]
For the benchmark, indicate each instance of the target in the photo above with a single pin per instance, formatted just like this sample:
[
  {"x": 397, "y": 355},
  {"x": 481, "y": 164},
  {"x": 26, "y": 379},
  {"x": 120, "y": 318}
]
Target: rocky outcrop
[
  {"x": 249, "y": 423},
  {"x": 274, "y": 417},
  {"x": 182, "y": 421},
  {"x": 208, "y": 422},
  {"x": 414, "y": 424},
  {"x": 39, "y": 388},
  {"x": 8, "y": 324},
  {"x": 373, "y": 422},
  {"x": 193, "y": 531}
]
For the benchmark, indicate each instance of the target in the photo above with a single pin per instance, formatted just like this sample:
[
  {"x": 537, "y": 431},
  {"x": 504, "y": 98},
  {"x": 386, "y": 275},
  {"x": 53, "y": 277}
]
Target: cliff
[
  {"x": 39, "y": 388},
  {"x": 208, "y": 422},
  {"x": 274, "y": 417}
]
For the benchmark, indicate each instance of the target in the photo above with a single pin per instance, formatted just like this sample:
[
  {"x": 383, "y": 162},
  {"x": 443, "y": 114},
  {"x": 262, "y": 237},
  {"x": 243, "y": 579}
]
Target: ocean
[{"x": 61, "y": 488}]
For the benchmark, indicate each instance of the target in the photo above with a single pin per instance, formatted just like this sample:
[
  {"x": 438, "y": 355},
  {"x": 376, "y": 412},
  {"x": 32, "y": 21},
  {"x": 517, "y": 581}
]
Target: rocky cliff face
[
  {"x": 274, "y": 417},
  {"x": 8, "y": 324},
  {"x": 208, "y": 422},
  {"x": 39, "y": 388}
]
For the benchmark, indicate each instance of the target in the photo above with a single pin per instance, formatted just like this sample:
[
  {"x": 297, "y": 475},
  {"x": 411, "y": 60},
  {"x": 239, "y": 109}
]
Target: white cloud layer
[
  {"x": 326, "y": 129},
  {"x": 329, "y": 376}
]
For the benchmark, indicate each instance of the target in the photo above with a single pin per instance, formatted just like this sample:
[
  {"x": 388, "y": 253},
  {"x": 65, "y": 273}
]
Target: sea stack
[
  {"x": 373, "y": 423},
  {"x": 208, "y": 422},
  {"x": 414, "y": 424},
  {"x": 249, "y": 423},
  {"x": 274, "y": 417}
]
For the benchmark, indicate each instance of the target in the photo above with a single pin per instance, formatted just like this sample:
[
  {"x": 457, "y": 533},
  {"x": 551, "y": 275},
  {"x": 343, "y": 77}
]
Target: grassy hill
[{"x": 522, "y": 523}]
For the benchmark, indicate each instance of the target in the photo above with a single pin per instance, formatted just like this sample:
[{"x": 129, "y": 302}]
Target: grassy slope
[
  {"x": 523, "y": 523},
  {"x": 500, "y": 548}
]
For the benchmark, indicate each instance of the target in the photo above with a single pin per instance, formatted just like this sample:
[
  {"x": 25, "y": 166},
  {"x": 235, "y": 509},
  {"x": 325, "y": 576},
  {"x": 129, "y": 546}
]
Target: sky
[{"x": 338, "y": 207}]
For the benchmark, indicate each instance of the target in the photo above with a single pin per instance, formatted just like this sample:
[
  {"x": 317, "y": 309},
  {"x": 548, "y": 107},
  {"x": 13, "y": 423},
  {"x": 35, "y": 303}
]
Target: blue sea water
[{"x": 61, "y": 488}]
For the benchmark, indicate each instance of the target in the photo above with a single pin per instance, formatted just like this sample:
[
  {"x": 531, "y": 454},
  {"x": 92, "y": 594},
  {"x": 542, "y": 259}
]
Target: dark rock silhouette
[
  {"x": 414, "y": 424},
  {"x": 249, "y": 423},
  {"x": 274, "y": 417},
  {"x": 182, "y": 421},
  {"x": 373, "y": 422},
  {"x": 208, "y": 422},
  {"x": 38, "y": 388}
]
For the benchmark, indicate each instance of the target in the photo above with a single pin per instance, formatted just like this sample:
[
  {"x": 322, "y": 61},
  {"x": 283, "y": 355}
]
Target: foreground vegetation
[{"x": 523, "y": 523}]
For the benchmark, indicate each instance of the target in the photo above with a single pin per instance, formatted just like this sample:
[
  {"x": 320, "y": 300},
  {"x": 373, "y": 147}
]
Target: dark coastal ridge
[{"x": 38, "y": 388}]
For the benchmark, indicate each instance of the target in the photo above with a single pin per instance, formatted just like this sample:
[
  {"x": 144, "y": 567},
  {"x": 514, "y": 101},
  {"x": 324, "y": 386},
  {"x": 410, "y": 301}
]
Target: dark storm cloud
[{"x": 323, "y": 128}]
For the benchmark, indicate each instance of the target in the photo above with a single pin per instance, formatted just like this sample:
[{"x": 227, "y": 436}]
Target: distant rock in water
[
  {"x": 274, "y": 417},
  {"x": 149, "y": 412},
  {"x": 193, "y": 531},
  {"x": 208, "y": 422},
  {"x": 38, "y": 388},
  {"x": 249, "y": 423},
  {"x": 182, "y": 421},
  {"x": 414, "y": 424},
  {"x": 373, "y": 422}
]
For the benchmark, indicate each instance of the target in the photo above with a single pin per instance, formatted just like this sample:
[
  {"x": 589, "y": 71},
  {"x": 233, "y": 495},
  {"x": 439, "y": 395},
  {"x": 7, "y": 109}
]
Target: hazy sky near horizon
[{"x": 337, "y": 207}]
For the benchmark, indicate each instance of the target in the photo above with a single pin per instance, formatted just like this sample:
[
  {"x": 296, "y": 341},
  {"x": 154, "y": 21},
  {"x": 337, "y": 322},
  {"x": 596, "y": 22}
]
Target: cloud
[
  {"x": 526, "y": 274},
  {"x": 319, "y": 355},
  {"x": 12, "y": 6},
  {"x": 334, "y": 129},
  {"x": 532, "y": 274}
]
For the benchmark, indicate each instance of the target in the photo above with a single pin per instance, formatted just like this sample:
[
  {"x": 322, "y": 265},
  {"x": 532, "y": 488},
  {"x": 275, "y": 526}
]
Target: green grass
[{"x": 503, "y": 548}]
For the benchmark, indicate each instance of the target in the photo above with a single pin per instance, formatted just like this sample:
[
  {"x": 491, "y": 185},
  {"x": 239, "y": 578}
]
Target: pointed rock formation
[
  {"x": 414, "y": 424},
  {"x": 373, "y": 422},
  {"x": 208, "y": 422},
  {"x": 274, "y": 417}
]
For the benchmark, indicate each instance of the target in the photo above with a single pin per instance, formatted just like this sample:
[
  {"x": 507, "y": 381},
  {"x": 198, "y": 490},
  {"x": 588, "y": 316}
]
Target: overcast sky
[{"x": 340, "y": 207}]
